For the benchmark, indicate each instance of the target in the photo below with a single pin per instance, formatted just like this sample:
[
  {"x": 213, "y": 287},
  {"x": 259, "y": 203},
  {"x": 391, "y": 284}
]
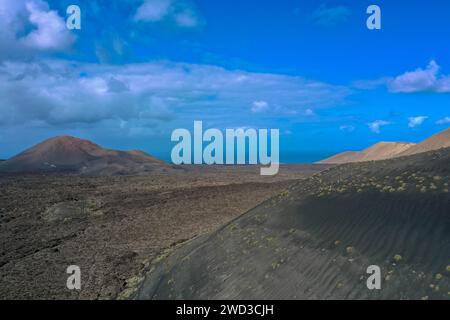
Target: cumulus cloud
[
  {"x": 376, "y": 125},
  {"x": 30, "y": 26},
  {"x": 331, "y": 16},
  {"x": 179, "y": 12},
  {"x": 442, "y": 121},
  {"x": 416, "y": 121},
  {"x": 51, "y": 31},
  {"x": 421, "y": 80},
  {"x": 59, "y": 93}
]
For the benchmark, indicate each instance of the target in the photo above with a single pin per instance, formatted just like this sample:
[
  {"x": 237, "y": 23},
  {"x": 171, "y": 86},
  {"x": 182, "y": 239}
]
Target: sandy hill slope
[
  {"x": 343, "y": 157},
  {"x": 385, "y": 150},
  {"x": 438, "y": 141},
  {"x": 65, "y": 153},
  {"x": 388, "y": 150},
  {"x": 379, "y": 151},
  {"x": 316, "y": 239}
]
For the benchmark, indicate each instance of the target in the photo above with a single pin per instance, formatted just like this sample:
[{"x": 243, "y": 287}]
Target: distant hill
[
  {"x": 389, "y": 150},
  {"x": 435, "y": 142},
  {"x": 343, "y": 157},
  {"x": 379, "y": 151},
  {"x": 66, "y": 153}
]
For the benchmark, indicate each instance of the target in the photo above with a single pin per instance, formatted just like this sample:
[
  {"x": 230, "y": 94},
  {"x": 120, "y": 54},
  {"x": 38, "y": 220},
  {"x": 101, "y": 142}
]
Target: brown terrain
[
  {"x": 111, "y": 226},
  {"x": 379, "y": 151},
  {"x": 71, "y": 154},
  {"x": 139, "y": 228},
  {"x": 389, "y": 150},
  {"x": 438, "y": 141}
]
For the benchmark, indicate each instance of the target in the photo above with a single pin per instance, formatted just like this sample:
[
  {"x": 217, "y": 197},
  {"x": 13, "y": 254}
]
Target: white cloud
[
  {"x": 309, "y": 112},
  {"x": 442, "y": 121},
  {"x": 376, "y": 125},
  {"x": 416, "y": 121},
  {"x": 59, "y": 93},
  {"x": 421, "y": 80},
  {"x": 259, "y": 106},
  {"x": 153, "y": 10},
  {"x": 179, "y": 12},
  {"x": 29, "y": 26},
  {"x": 51, "y": 32}
]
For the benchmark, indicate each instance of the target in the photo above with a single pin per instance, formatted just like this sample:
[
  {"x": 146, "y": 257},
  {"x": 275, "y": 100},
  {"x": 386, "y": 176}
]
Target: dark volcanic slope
[
  {"x": 316, "y": 240},
  {"x": 65, "y": 153}
]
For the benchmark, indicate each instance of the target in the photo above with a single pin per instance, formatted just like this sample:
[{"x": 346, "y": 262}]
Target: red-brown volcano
[{"x": 66, "y": 153}]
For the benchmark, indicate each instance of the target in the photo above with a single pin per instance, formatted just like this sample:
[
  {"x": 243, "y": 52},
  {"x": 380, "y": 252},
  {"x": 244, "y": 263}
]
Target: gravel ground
[{"x": 113, "y": 227}]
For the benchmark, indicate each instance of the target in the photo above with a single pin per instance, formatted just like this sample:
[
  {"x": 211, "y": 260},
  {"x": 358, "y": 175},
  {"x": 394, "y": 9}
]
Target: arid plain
[
  {"x": 141, "y": 228},
  {"x": 114, "y": 226}
]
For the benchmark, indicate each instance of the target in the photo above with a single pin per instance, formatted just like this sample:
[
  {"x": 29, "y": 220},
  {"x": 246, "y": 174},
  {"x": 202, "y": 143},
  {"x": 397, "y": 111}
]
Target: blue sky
[{"x": 139, "y": 69}]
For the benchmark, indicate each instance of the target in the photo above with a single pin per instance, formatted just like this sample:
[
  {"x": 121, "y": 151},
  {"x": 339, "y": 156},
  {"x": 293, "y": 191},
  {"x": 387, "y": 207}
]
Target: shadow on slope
[{"x": 316, "y": 239}]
